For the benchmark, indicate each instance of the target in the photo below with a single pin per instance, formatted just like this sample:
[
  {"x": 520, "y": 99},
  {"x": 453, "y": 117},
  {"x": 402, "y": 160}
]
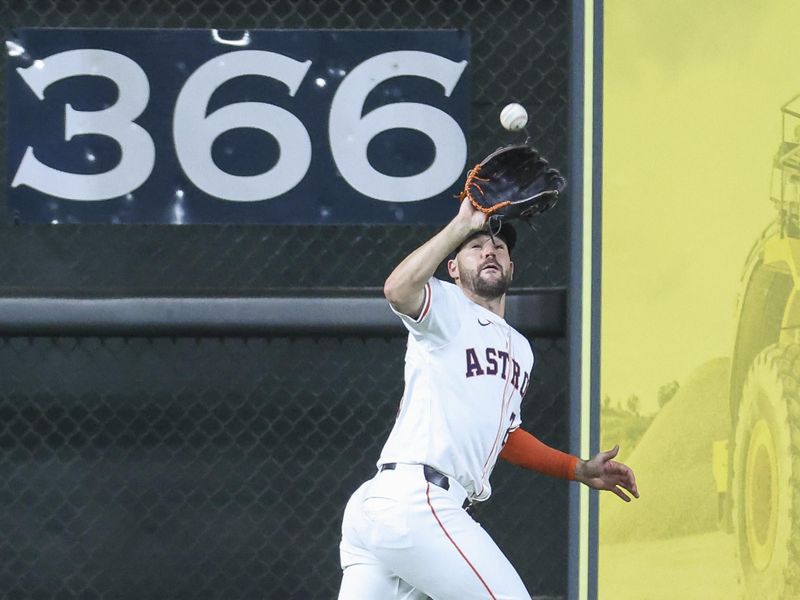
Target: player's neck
[{"x": 496, "y": 305}]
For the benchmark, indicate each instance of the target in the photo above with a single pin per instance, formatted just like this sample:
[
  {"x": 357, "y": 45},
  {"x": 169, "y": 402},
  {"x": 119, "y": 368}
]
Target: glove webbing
[{"x": 472, "y": 177}]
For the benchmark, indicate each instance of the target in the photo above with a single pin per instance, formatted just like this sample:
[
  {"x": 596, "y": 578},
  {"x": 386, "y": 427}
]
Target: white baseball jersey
[{"x": 466, "y": 372}]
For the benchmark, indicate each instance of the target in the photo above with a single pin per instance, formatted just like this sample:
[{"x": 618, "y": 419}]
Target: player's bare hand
[
  {"x": 472, "y": 217},
  {"x": 603, "y": 473}
]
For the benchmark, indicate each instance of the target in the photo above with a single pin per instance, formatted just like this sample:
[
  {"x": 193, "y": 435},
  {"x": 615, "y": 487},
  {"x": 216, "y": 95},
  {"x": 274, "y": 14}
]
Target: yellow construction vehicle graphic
[{"x": 757, "y": 470}]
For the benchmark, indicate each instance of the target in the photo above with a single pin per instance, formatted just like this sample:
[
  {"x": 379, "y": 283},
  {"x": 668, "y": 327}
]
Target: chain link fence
[{"x": 219, "y": 467}]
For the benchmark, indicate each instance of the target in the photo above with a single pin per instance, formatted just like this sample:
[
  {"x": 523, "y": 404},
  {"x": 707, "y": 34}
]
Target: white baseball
[{"x": 514, "y": 117}]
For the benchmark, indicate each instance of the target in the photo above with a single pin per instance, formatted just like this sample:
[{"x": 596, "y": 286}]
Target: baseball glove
[{"x": 513, "y": 182}]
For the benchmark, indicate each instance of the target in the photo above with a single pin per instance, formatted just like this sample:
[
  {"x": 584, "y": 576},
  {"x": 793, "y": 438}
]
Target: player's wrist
[
  {"x": 461, "y": 227},
  {"x": 579, "y": 473}
]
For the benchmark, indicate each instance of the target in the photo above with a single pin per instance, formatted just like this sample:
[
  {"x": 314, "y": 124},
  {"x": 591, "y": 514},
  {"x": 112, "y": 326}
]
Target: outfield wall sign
[{"x": 203, "y": 126}]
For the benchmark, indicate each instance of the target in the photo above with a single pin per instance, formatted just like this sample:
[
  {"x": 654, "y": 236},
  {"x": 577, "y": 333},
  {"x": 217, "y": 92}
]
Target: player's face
[{"x": 483, "y": 266}]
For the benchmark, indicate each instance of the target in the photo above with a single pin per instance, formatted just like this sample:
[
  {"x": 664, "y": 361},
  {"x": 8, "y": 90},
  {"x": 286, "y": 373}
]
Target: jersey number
[{"x": 508, "y": 431}]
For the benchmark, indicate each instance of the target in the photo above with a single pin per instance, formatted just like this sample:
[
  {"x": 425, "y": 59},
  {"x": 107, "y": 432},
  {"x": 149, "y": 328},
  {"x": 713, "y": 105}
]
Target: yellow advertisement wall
[{"x": 698, "y": 311}]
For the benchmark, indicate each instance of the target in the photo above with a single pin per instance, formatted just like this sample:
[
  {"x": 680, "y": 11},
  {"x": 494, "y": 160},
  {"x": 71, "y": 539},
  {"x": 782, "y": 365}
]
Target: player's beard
[{"x": 486, "y": 287}]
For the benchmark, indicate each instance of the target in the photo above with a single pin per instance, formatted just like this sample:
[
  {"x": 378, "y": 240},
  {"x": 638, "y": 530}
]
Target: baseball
[{"x": 514, "y": 117}]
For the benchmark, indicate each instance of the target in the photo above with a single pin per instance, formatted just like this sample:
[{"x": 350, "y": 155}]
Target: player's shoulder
[
  {"x": 447, "y": 289},
  {"x": 445, "y": 285},
  {"x": 519, "y": 337},
  {"x": 523, "y": 342}
]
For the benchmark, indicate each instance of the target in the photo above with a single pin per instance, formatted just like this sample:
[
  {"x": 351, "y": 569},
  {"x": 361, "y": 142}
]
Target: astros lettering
[{"x": 475, "y": 368}]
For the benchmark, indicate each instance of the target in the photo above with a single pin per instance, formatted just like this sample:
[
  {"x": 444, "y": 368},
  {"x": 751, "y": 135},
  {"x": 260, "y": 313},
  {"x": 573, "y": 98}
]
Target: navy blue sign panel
[{"x": 198, "y": 126}]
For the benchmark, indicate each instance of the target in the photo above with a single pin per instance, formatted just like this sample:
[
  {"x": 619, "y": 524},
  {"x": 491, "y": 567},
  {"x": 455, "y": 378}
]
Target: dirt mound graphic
[{"x": 673, "y": 464}]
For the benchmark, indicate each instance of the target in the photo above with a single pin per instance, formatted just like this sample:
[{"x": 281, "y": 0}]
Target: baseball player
[{"x": 405, "y": 532}]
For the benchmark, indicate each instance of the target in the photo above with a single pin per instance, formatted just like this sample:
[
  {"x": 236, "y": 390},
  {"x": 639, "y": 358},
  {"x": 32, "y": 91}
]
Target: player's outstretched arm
[
  {"x": 602, "y": 473},
  {"x": 405, "y": 286},
  {"x": 527, "y": 451}
]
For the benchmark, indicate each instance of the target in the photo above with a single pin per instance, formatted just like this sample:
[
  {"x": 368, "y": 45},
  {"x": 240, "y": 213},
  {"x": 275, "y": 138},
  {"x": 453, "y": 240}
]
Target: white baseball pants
[{"x": 405, "y": 538}]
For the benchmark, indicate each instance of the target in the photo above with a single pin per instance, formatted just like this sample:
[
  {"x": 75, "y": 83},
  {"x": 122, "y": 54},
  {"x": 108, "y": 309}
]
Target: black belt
[{"x": 433, "y": 476}]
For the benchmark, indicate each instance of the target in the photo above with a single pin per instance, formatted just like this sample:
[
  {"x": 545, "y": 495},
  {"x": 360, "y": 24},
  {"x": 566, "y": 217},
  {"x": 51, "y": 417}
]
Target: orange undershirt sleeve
[{"x": 525, "y": 450}]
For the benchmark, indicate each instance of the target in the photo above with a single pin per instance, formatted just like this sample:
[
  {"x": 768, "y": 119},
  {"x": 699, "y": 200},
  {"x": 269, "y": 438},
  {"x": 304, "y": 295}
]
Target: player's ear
[
  {"x": 511, "y": 270},
  {"x": 452, "y": 269}
]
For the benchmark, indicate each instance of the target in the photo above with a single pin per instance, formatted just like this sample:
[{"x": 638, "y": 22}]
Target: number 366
[{"x": 194, "y": 132}]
